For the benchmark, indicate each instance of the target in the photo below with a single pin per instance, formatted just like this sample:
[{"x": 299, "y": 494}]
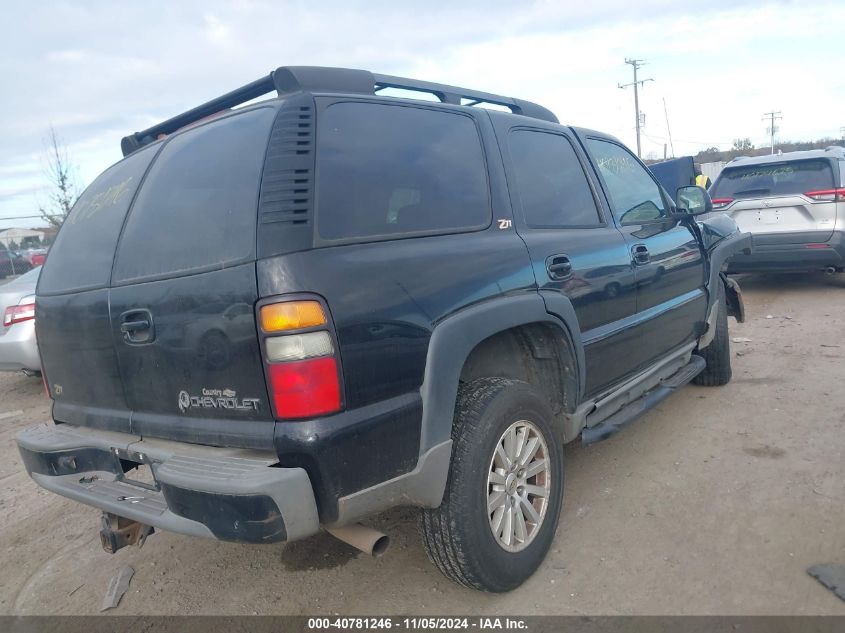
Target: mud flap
[{"x": 733, "y": 298}]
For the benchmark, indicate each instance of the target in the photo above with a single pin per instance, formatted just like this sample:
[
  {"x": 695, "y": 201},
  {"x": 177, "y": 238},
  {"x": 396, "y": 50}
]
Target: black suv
[{"x": 301, "y": 312}]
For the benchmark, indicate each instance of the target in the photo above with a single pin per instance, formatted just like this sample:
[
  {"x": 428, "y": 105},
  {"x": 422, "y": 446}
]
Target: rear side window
[
  {"x": 198, "y": 206},
  {"x": 82, "y": 255},
  {"x": 386, "y": 170},
  {"x": 773, "y": 179},
  {"x": 551, "y": 183}
]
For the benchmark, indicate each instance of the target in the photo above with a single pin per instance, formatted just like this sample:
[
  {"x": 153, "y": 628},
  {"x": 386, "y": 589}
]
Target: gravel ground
[{"x": 716, "y": 502}]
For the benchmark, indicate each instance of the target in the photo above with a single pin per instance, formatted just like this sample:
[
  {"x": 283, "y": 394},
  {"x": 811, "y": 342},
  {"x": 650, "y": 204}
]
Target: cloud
[
  {"x": 67, "y": 56},
  {"x": 99, "y": 70},
  {"x": 218, "y": 33}
]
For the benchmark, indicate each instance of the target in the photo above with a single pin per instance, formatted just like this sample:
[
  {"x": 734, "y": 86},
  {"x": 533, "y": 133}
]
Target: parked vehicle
[
  {"x": 396, "y": 294},
  {"x": 794, "y": 206},
  {"x": 12, "y": 263},
  {"x": 18, "y": 347},
  {"x": 37, "y": 256}
]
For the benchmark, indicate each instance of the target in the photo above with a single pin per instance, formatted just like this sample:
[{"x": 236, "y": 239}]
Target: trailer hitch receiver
[{"x": 118, "y": 532}]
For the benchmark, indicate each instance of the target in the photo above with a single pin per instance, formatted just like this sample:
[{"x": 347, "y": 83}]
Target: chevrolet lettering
[{"x": 216, "y": 399}]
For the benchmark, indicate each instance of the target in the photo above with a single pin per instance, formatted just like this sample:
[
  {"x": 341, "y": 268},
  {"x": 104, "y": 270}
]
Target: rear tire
[
  {"x": 497, "y": 550},
  {"x": 717, "y": 355}
]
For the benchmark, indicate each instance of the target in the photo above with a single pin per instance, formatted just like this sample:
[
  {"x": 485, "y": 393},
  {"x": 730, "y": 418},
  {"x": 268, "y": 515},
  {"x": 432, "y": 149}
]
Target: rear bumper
[
  {"x": 18, "y": 349},
  {"x": 228, "y": 494},
  {"x": 790, "y": 252}
]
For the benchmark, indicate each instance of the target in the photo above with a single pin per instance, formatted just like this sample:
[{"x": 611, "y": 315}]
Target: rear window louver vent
[{"x": 286, "y": 201}]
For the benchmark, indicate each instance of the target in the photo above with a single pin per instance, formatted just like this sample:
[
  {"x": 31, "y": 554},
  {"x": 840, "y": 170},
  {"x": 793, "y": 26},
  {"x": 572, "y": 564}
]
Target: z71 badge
[{"x": 216, "y": 399}]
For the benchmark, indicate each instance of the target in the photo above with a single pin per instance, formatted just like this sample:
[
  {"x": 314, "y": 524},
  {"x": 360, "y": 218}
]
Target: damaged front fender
[
  {"x": 723, "y": 239},
  {"x": 715, "y": 228}
]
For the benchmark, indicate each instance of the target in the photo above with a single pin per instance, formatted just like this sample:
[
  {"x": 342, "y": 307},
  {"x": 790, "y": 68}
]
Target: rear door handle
[
  {"x": 559, "y": 267},
  {"x": 137, "y": 326},
  {"x": 640, "y": 254},
  {"x": 134, "y": 326}
]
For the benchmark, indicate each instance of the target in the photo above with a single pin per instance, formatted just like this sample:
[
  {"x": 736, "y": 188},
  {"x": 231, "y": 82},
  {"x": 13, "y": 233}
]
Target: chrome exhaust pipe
[
  {"x": 361, "y": 537},
  {"x": 829, "y": 270}
]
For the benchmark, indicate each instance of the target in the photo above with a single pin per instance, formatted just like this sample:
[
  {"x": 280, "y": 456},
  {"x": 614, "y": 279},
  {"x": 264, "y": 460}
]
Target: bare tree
[{"x": 63, "y": 189}]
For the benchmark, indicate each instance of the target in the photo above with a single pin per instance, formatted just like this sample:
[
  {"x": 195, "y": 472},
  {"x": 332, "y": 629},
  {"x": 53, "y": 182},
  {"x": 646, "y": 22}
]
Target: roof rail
[
  {"x": 465, "y": 96},
  {"x": 289, "y": 79}
]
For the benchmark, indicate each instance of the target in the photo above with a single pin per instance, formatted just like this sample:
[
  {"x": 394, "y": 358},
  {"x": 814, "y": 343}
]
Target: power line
[
  {"x": 772, "y": 116},
  {"x": 26, "y": 217},
  {"x": 686, "y": 141},
  {"x": 636, "y": 64}
]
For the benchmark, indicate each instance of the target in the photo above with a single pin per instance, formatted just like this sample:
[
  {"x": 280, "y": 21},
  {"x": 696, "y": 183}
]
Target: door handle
[
  {"x": 137, "y": 327},
  {"x": 640, "y": 254},
  {"x": 134, "y": 326},
  {"x": 559, "y": 267}
]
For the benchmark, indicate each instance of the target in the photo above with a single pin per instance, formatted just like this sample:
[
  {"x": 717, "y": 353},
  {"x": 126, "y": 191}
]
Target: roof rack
[{"x": 289, "y": 79}]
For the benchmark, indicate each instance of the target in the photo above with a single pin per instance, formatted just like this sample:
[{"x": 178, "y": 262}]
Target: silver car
[
  {"x": 792, "y": 203},
  {"x": 18, "y": 348}
]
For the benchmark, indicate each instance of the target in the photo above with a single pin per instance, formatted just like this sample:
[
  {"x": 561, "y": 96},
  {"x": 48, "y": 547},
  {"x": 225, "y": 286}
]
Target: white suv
[{"x": 793, "y": 204}]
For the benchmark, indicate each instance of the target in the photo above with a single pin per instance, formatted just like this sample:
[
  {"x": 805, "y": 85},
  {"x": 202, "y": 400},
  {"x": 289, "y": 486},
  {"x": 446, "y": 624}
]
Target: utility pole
[
  {"x": 666, "y": 114},
  {"x": 636, "y": 64},
  {"x": 772, "y": 117}
]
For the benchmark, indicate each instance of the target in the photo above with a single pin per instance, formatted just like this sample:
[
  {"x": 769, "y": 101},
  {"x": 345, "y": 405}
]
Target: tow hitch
[{"x": 119, "y": 532}]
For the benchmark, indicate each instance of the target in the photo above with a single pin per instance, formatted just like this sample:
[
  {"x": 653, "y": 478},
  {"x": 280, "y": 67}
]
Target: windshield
[{"x": 774, "y": 179}]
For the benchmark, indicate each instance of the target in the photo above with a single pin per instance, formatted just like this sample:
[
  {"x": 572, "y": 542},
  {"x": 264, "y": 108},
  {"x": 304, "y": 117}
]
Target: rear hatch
[
  {"x": 781, "y": 202},
  {"x": 173, "y": 334},
  {"x": 72, "y": 305}
]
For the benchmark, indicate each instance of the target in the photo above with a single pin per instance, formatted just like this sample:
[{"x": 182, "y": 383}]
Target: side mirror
[{"x": 694, "y": 200}]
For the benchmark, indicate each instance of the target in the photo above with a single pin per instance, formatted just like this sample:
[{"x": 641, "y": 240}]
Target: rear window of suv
[
  {"x": 385, "y": 170},
  {"x": 773, "y": 179},
  {"x": 82, "y": 255},
  {"x": 199, "y": 204}
]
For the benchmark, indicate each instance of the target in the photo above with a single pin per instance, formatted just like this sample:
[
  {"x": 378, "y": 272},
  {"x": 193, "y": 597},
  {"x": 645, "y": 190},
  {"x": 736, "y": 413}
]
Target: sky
[{"x": 96, "y": 71}]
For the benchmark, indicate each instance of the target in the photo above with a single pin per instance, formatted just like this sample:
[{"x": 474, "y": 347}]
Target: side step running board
[{"x": 635, "y": 409}]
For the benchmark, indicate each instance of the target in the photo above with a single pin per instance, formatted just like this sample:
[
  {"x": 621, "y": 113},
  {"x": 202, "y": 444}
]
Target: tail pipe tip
[{"x": 368, "y": 540}]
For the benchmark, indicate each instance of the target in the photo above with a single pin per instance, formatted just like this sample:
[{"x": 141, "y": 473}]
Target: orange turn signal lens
[{"x": 291, "y": 315}]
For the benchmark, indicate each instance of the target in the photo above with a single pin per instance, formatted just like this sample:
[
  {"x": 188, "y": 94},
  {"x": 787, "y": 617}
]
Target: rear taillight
[
  {"x": 827, "y": 195},
  {"x": 291, "y": 315},
  {"x": 721, "y": 203},
  {"x": 18, "y": 313},
  {"x": 304, "y": 389},
  {"x": 301, "y": 359}
]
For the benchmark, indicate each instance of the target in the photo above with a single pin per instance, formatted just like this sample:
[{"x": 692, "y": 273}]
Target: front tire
[{"x": 505, "y": 488}]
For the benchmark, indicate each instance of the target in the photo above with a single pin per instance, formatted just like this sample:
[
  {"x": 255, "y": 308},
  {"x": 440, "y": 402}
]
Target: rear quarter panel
[{"x": 386, "y": 297}]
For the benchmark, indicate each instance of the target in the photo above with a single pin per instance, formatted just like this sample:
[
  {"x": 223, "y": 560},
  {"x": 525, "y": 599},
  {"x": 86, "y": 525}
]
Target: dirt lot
[{"x": 714, "y": 503}]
